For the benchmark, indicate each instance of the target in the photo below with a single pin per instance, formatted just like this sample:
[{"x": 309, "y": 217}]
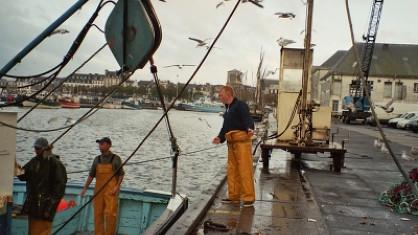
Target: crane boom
[
  {"x": 370, "y": 38},
  {"x": 357, "y": 103}
]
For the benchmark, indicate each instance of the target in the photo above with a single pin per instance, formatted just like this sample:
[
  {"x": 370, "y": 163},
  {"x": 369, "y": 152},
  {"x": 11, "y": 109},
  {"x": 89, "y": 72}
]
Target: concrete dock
[{"x": 307, "y": 198}]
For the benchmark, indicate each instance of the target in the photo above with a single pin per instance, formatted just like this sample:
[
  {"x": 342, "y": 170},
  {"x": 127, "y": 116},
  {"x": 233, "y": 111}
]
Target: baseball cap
[
  {"x": 41, "y": 143},
  {"x": 104, "y": 140}
]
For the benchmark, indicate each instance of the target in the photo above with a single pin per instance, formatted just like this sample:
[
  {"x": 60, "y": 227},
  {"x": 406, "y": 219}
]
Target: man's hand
[{"x": 216, "y": 140}]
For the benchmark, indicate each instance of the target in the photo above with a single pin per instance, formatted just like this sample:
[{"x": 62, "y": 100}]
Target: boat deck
[{"x": 284, "y": 204}]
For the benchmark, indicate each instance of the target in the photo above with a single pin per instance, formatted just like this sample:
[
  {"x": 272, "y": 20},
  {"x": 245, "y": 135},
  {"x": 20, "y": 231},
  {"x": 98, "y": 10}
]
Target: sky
[{"x": 251, "y": 30}]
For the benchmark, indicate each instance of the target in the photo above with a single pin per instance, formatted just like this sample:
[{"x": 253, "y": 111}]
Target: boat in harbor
[
  {"x": 139, "y": 211},
  {"x": 202, "y": 107},
  {"x": 131, "y": 105},
  {"x": 47, "y": 104},
  {"x": 69, "y": 103}
]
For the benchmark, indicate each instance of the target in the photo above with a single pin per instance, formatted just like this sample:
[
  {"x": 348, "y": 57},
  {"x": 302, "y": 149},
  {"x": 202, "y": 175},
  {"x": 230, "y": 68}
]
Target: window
[
  {"x": 399, "y": 90},
  {"x": 415, "y": 87},
  {"x": 336, "y": 87},
  {"x": 387, "y": 90},
  {"x": 335, "y": 105}
]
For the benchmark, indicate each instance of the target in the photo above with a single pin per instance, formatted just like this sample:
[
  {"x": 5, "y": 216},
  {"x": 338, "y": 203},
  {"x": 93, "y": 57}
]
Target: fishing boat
[
  {"x": 131, "y": 105},
  {"x": 202, "y": 107},
  {"x": 139, "y": 211},
  {"x": 69, "y": 103},
  {"x": 47, "y": 104}
]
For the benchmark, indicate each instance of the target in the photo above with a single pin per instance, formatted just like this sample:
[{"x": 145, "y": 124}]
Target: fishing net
[{"x": 400, "y": 197}]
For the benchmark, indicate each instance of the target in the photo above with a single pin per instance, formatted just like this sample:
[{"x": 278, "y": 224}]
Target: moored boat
[
  {"x": 69, "y": 103},
  {"x": 139, "y": 211},
  {"x": 43, "y": 104},
  {"x": 202, "y": 107}
]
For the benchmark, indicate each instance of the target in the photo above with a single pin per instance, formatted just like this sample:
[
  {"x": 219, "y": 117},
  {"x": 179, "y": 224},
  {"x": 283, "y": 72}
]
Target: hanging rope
[
  {"x": 159, "y": 120},
  {"x": 71, "y": 52},
  {"x": 379, "y": 127},
  {"x": 33, "y": 76},
  {"x": 63, "y": 81}
]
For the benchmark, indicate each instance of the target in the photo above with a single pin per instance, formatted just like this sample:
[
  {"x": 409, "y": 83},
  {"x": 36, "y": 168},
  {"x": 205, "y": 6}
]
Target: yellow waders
[
  {"x": 39, "y": 227},
  {"x": 240, "y": 167},
  {"x": 105, "y": 204}
]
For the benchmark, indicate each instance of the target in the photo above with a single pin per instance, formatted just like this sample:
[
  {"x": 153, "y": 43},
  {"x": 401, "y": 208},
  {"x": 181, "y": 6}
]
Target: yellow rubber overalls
[
  {"x": 240, "y": 167},
  {"x": 105, "y": 204},
  {"x": 39, "y": 227}
]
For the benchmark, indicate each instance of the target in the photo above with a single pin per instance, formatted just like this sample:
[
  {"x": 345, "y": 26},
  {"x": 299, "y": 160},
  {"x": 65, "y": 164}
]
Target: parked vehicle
[
  {"x": 402, "y": 124},
  {"x": 394, "y": 121},
  {"x": 413, "y": 126}
]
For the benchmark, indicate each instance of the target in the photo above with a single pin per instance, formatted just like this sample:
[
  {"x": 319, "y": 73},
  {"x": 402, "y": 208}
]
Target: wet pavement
[
  {"x": 308, "y": 198},
  {"x": 284, "y": 204},
  {"x": 348, "y": 201}
]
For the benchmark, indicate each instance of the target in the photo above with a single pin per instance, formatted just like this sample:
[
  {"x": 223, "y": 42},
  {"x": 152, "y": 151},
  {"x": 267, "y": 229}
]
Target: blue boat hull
[{"x": 137, "y": 211}]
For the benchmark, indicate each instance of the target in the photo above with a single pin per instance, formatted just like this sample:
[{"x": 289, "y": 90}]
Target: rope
[
  {"x": 289, "y": 122},
  {"x": 64, "y": 80},
  {"x": 154, "y": 160},
  {"x": 47, "y": 130},
  {"x": 379, "y": 127},
  {"x": 71, "y": 52},
  {"x": 400, "y": 197},
  {"x": 32, "y": 76},
  {"x": 159, "y": 120},
  {"x": 76, "y": 44}
]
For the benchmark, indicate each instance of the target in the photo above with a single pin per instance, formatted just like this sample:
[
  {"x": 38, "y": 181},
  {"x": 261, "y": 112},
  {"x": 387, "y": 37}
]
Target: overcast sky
[{"x": 250, "y": 30}]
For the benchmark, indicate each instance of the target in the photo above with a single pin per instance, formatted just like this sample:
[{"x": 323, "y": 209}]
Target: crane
[{"x": 356, "y": 105}]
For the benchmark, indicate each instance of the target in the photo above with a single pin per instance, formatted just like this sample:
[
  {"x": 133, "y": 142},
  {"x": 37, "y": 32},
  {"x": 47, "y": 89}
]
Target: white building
[{"x": 393, "y": 75}]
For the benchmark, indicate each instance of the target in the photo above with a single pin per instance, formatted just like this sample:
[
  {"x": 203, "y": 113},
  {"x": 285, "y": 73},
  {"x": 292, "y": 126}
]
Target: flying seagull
[
  {"x": 179, "y": 66},
  {"x": 255, "y": 2},
  {"x": 200, "y": 43},
  {"x": 59, "y": 31},
  {"x": 285, "y": 15},
  {"x": 284, "y": 42},
  {"x": 219, "y": 4}
]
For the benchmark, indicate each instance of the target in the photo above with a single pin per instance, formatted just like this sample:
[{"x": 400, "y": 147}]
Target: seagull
[
  {"x": 285, "y": 15},
  {"x": 59, "y": 31},
  {"x": 255, "y": 2},
  {"x": 204, "y": 120},
  {"x": 219, "y": 4},
  {"x": 200, "y": 43},
  {"x": 179, "y": 66},
  {"x": 387, "y": 107},
  {"x": 284, "y": 42}
]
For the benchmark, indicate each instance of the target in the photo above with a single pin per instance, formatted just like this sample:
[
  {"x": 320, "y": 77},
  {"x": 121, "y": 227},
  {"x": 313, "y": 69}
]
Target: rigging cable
[
  {"x": 32, "y": 76},
  {"x": 62, "y": 81},
  {"x": 379, "y": 127},
  {"x": 155, "y": 159},
  {"x": 289, "y": 122},
  {"x": 79, "y": 120},
  {"x": 73, "y": 49},
  {"x": 159, "y": 120}
]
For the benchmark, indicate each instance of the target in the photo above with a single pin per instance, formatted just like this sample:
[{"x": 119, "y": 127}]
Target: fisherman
[
  {"x": 45, "y": 177},
  {"x": 237, "y": 130},
  {"x": 105, "y": 203}
]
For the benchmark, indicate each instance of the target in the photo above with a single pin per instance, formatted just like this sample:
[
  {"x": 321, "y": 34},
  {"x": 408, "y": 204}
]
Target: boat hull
[{"x": 138, "y": 210}]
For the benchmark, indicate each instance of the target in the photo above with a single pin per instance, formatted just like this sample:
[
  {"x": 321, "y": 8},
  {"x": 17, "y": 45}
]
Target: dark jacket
[
  {"x": 45, "y": 178},
  {"x": 236, "y": 118}
]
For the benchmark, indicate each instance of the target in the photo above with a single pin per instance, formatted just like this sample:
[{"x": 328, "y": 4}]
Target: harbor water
[{"x": 127, "y": 128}]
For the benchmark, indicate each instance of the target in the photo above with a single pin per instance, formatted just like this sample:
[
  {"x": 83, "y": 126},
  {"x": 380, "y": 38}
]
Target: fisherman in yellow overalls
[
  {"x": 106, "y": 202},
  {"x": 237, "y": 130}
]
